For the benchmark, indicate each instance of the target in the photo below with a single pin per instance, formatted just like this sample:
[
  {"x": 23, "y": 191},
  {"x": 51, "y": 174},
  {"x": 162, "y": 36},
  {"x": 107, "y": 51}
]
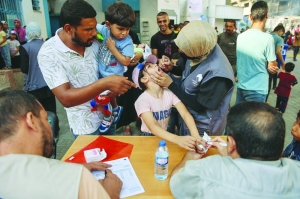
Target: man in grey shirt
[
  {"x": 227, "y": 42},
  {"x": 249, "y": 167}
]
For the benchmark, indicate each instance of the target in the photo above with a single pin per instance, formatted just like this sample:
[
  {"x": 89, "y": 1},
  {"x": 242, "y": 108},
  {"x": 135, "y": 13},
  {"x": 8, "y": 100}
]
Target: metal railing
[{"x": 9, "y": 10}]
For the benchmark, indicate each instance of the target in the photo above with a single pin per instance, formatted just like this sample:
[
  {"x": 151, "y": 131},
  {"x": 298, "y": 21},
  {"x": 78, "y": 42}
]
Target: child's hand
[
  {"x": 201, "y": 146},
  {"x": 186, "y": 142},
  {"x": 110, "y": 43}
]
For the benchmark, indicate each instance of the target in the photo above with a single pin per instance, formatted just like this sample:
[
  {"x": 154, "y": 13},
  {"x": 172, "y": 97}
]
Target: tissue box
[{"x": 94, "y": 155}]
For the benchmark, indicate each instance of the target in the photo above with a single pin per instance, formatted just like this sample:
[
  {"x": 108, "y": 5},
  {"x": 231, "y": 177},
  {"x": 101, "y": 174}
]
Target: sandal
[{"x": 127, "y": 131}]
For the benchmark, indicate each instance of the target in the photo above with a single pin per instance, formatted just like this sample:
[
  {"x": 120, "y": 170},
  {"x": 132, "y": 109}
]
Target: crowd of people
[
  {"x": 187, "y": 81},
  {"x": 10, "y": 42}
]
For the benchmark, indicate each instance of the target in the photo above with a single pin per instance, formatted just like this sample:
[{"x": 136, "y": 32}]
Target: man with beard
[
  {"x": 69, "y": 64},
  {"x": 227, "y": 42},
  {"x": 25, "y": 136},
  {"x": 162, "y": 43}
]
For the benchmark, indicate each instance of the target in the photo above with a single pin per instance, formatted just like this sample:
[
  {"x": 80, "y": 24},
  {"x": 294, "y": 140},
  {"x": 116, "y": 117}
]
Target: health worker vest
[{"x": 215, "y": 65}]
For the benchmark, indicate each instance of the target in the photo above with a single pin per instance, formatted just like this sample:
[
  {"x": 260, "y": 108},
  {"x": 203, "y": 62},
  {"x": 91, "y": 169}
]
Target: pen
[{"x": 105, "y": 172}]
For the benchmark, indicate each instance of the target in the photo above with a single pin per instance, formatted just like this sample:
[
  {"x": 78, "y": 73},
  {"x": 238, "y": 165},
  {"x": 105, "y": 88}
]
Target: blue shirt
[
  {"x": 108, "y": 64},
  {"x": 292, "y": 151},
  {"x": 278, "y": 41},
  {"x": 254, "y": 49}
]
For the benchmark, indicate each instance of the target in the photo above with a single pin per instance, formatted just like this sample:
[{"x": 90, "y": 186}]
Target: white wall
[
  {"x": 36, "y": 16},
  {"x": 97, "y": 5},
  {"x": 170, "y": 5},
  {"x": 247, "y": 11},
  {"x": 220, "y": 24},
  {"x": 183, "y": 10},
  {"x": 185, "y": 15},
  {"x": 148, "y": 12}
]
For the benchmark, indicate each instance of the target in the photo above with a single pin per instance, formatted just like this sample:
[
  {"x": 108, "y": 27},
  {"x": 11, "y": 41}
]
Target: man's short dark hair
[
  {"x": 14, "y": 105},
  {"x": 120, "y": 13},
  {"x": 279, "y": 27},
  {"x": 289, "y": 67},
  {"x": 259, "y": 10},
  {"x": 73, "y": 11},
  {"x": 231, "y": 21},
  {"x": 186, "y": 22},
  {"x": 162, "y": 14},
  {"x": 258, "y": 130}
]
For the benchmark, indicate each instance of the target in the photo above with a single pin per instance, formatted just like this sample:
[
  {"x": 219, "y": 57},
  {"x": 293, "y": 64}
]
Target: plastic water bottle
[{"x": 161, "y": 161}]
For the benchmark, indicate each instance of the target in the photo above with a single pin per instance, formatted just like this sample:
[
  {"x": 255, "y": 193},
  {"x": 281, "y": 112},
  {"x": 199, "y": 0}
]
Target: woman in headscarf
[
  {"x": 34, "y": 82},
  {"x": 20, "y": 31},
  {"x": 207, "y": 78}
]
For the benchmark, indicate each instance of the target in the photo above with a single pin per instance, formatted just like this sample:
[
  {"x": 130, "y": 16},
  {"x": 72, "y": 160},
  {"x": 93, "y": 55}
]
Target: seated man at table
[
  {"x": 25, "y": 136},
  {"x": 249, "y": 167}
]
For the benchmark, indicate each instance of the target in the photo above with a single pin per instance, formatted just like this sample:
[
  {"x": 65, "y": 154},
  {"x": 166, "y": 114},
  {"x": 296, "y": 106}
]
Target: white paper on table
[{"x": 124, "y": 170}]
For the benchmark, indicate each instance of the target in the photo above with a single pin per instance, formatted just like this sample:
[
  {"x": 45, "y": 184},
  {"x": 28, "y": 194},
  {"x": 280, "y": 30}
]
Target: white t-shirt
[
  {"x": 59, "y": 65},
  {"x": 31, "y": 176},
  {"x": 160, "y": 108},
  {"x": 13, "y": 44}
]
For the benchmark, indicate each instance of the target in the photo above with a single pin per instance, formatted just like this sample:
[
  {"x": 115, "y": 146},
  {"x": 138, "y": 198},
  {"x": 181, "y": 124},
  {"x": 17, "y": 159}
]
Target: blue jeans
[
  {"x": 6, "y": 55},
  {"x": 146, "y": 134},
  {"x": 111, "y": 131},
  {"x": 248, "y": 96},
  {"x": 281, "y": 103}
]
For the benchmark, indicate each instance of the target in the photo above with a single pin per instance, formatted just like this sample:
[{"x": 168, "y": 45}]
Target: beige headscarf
[{"x": 197, "y": 39}]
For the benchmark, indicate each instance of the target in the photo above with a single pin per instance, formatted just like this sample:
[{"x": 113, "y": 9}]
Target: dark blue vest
[
  {"x": 34, "y": 80},
  {"x": 215, "y": 65}
]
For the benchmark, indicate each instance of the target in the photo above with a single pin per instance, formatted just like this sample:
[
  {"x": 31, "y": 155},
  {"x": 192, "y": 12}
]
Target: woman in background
[
  {"x": 20, "y": 31},
  {"x": 34, "y": 82},
  {"x": 296, "y": 45}
]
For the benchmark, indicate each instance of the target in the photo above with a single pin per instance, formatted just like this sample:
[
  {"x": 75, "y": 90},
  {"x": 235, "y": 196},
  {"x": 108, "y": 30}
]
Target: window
[
  {"x": 9, "y": 10},
  {"x": 246, "y": 5},
  {"x": 283, "y": 5},
  {"x": 36, "y": 5}
]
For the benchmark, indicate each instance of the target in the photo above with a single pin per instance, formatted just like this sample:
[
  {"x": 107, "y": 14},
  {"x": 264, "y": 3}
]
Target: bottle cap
[{"x": 162, "y": 143}]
